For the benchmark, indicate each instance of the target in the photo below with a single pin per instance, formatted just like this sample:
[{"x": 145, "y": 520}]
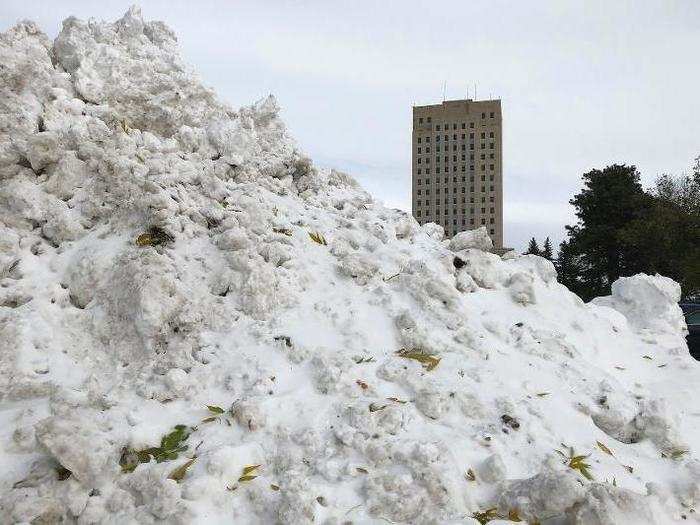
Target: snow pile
[{"x": 197, "y": 325}]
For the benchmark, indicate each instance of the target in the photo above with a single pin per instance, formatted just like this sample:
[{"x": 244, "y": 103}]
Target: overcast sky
[{"x": 583, "y": 83}]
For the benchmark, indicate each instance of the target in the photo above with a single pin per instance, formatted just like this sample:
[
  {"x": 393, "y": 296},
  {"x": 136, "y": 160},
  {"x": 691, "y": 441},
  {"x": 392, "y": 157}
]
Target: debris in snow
[{"x": 161, "y": 251}]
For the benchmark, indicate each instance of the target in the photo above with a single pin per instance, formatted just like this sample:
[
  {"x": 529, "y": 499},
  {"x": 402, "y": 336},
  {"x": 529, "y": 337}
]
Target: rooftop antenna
[
  {"x": 444, "y": 89},
  {"x": 474, "y": 90}
]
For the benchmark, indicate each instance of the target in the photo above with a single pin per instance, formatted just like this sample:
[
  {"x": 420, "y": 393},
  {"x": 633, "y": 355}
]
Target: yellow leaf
[
  {"x": 318, "y": 238},
  {"x": 250, "y": 468},
  {"x": 605, "y": 449},
  {"x": 143, "y": 240},
  {"x": 179, "y": 473},
  {"x": 428, "y": 361},
  {"x": 246, "y": 478}
]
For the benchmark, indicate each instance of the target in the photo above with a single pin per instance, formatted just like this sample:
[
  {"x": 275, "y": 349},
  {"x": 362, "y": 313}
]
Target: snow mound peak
[{"x": 198, "y": 325}]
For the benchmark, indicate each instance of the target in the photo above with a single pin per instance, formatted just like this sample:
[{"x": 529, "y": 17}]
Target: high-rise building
[{"x": 458, "y": 166}]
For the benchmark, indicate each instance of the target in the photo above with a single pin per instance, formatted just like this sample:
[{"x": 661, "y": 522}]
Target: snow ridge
[{"x": 167, "y": 260}]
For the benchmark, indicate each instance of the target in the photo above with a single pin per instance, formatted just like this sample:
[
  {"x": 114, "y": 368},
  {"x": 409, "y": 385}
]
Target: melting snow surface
[{"x": 161, "y": 252}]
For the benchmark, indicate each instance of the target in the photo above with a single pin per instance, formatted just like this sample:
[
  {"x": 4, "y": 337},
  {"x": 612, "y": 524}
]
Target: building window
[
  {"x": 427, "y": 150},
  {"x": 483, "y": 145},
  {"x": 427, "y": 192},
  {"x": 420, "y": 190},
  {"x": 483, "y": 156},
  {"x": 454, "y": 147},
  {"x": 471, "y": 136},
  {"x": 418, "y": 150},
  {"x": 471, "y": 125},
  {"x": 492, "y": 210},
  {"x": 437, "y": 127},
  {"x": 419, "y": 160},
  {"x": 420, "y": 120},
  {"x": 471, "y": 167},
  {"x": 419, "y": 139},
  {"x": 447, "y": 137},
  {"x": 463, "y": 189},
  {"x": 491, "y": 168},
  {"x": 491, "y": 135},
  {"x": 447, "y": 170},
  {"x": 437, "y": 138},
  {"x": 418, "y": 213},
  {"x": 471, "y": 189},
  {"x": 490, "y": 199},
  {"x": 464, "y": 179},
  {"x": 492, "y": 114},
  {"x": 471, "y": 221},
  {"x": 491, "y": 188},
  {"x": 483, "y": 221},
  {"x": 427, "y": 171},
  {"x": 491, "y": 156},
  {"x": 463, "y": 127},
  {"x": 483, "y": 210},
  {"x": 463, "y": 168},
  {"x": 430, "y": 119},
  {"x": 437, "y": 148},
  {"x": 483, "y": 178},
  {"x": 491, "y": 145},
  {"x": 483, "y": 168},
  {"x": 471, "y": 156},
  {"x": 419, "y": 174},
  {"x": 471, "y": 146},
  {"x": 471, "y": 210},
  {"x": 427, "y": 139},
  {"x": 483, "y": 115},
  {"x": 471, "y": 178},
  {"x": 483, "y": 135},
  {"x": 437, "y": 191},
  {"x": 492, "y": 231}
]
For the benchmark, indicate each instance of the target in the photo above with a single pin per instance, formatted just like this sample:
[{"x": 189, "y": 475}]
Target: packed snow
[{"x": 199, "y": 326}]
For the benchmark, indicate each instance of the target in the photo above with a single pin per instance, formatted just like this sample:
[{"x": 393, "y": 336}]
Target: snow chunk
[
  {"x": 478, "y": 239},
  {"x": 647, "y": 301}
]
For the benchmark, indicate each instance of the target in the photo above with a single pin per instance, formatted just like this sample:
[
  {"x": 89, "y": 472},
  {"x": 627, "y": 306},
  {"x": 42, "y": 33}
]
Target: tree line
[{"x": 623, "y": 229}]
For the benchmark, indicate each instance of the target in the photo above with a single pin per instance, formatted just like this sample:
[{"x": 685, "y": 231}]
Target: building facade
[{"x": 458, "y": 166}]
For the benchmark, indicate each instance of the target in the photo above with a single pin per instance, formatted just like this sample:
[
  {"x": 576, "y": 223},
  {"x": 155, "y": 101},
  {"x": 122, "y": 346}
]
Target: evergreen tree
[
  {"x": 568, "y": 268},
  {"x": 547, "y": 250},
  {"x": 533, "y": 248},
  {"x": 610, "y": 201}
]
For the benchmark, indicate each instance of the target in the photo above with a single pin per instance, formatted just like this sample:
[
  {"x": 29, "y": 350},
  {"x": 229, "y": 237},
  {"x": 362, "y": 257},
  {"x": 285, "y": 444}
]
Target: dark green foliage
[
  {"x": 170, "y": 447},
  {"x": 623, "y": 230},
  {"x": 533, "y": 248},
  {"x": 547, "y": 249}
]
